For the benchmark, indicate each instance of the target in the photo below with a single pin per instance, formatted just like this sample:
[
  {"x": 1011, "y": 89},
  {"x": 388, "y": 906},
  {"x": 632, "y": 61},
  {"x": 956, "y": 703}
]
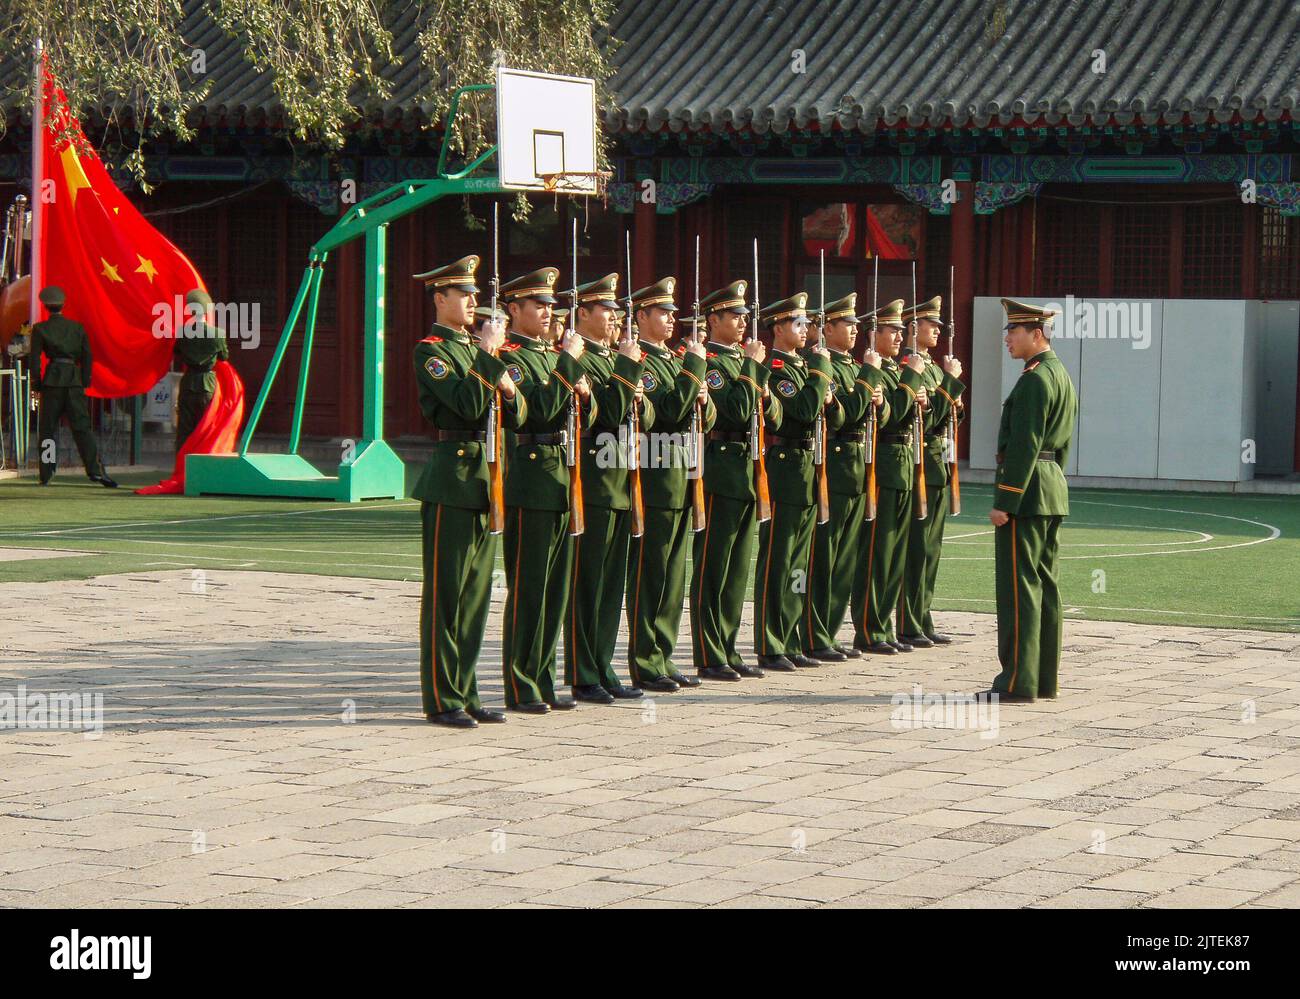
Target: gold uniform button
[
  {"x": 461, "y": 451},
  {"x": 532, "y": 455},
  {"x": 837, "y": 449},
  {"x": 723, "y": 448},
  {"x": 781, "y": 454}
]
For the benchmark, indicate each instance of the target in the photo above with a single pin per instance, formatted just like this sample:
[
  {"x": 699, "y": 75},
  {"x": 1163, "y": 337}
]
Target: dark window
[
  {"x": 1279, "y": 255},
  {"x": 1212, "y": 251},
  {"x": 1068, "y": 259},
  {"x": 1141, "y": 251},
  {"x": 766, "y": 219}
]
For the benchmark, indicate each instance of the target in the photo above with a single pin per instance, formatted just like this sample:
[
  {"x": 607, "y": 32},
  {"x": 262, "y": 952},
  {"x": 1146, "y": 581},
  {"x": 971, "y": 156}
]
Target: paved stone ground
[{"x": 1167, "y": 775}]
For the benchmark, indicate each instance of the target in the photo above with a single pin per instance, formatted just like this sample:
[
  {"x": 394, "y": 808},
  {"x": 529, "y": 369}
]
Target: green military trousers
[
  {"x": 719, "y": 581},
  {"x": 832, "y": 563},
  {"x": 656, "y": 584},
  {"x": 454, "y": 600},
  {"x": 924, "y": 545},
  {"x": 190, "y": 407},
  {"x": 879, "y": 576},
  {"x": 1029, "y": 605},
  {"x": 55, "y": 402},
  {"x": 780, "y": 578},
  {"x": 596, "y": 598},
  {"x": 538, "y": 553}
]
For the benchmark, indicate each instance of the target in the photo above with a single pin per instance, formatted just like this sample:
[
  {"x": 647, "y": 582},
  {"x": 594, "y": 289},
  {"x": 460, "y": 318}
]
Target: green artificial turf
[{"x": 1151, "y": 557}]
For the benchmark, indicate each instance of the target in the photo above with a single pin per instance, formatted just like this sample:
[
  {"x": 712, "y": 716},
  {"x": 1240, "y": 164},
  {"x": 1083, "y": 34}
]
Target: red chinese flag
[{"x": 122, "y": 277}]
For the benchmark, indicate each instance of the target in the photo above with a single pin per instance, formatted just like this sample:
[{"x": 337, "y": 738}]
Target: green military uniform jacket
[
  {"x": 846, "y": 467},
  {"x": 800, "y": 386},
  {"x": 1038, "y": 416},
  {"x": 895, "y": 464},
  {"x": 536, "y": 476},
  {"x": 456, "y": 381},
  {"x": 671, "y": 383},
  {"x": 67, "y": 346},
  {"x": 613, "y": 379},
  {"x": 735, "y": 383},
  {"x": 200, "y": 348},
  {"x": 943, "y": 391}
]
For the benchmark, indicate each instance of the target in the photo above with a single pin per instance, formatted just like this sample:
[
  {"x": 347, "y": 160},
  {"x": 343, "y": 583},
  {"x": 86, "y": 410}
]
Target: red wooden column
[
  {"x": 643, "y": 242},
  {"x": 962, "y": 250}
]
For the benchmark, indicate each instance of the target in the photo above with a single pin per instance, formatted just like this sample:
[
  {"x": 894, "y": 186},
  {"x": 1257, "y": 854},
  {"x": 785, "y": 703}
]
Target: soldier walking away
[
  {"x": 61, "y": 388},
  {"x": 1030, "y": 499},
  {"x": 200, "y": 345}
]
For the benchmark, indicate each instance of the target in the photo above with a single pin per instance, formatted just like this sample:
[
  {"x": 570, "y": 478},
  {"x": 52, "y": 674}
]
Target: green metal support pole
[
  {"x": 372, "y": 412},
  {"x": 280, "y": 349},
  {"x": 308, "y": 336}
]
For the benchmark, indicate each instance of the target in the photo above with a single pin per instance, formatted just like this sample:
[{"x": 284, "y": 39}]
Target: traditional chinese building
[{"x": 1141, "y": 149}]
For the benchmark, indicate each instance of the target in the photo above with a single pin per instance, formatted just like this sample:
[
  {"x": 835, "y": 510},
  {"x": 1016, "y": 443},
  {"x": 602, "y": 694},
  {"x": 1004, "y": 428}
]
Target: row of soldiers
[{"x": 862, "y": 553}]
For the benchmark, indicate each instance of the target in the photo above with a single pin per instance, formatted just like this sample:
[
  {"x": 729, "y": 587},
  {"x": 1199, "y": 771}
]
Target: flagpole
[{"x": 36, "y": 263}]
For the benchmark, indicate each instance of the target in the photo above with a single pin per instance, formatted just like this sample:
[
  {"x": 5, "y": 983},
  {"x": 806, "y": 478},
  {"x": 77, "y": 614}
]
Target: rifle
[
  {"x": 494, "y": 444},
  {"x": 869, "y": 438},
  {"x": 633, "y": 426},
  {"x": 573, "y": 422},
  {"x": 757, "y": 445},
  {"x": 950, "y": 446},
  {"x": 918, "y": 420},
  {"x": 819, "y": 427},
  {"x": 696, "y": 466}
]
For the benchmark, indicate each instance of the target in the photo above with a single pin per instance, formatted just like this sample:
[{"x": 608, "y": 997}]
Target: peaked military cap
[
  {"x": 52, "y": 296},
  {"x": 728, "y": 299},
  {"x": 794, "y": 306},
  {"x": 842, "y": 308},
  {"x": 540, "y": 284},
  {"x": 559, "y": 315},
  {"x": 485, "y": 312},
  {"x": 198, "y": 297},
  {"x": 1018, "y": 313},
  {"x": 932, "y": 310},
  {"x": 458, "y": 275},
  {"x": 889, "y": 314},
  {"x": 602, "y": 292},
  {"x": 658, "y": 294}
]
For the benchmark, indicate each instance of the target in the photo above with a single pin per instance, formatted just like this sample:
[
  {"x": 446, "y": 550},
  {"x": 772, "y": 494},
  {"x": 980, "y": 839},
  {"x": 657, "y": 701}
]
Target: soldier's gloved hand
[
  {"x": 639, "y": 396},
  {"x": 922, "y": 399},
  {"x": 703, "y": 397},
  {"x": 696, "y": 348},
  {"x": 573, "y": 345},
  {"x": 491, "y": 337},
  {"x": 952, "y": 366},
  {"x": 755, "y": 350},
  {"x": 829, "y": 397},
  {"x": 583, "y": 388},
  {"x": 872, "y": 358},
  {"x": 877, "y": 397},
  {"x": 916, "y": 364},
  {"x": 632, "y": 350},
  {"x": 506, "y": 384}
]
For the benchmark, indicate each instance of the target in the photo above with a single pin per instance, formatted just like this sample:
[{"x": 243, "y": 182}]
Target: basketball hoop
[{"x": 587, "y": 182}]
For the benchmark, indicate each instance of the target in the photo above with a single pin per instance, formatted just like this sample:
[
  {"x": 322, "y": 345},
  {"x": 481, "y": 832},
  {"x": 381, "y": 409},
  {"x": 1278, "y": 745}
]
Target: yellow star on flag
[
  {"x": 72, "y": 172},
  {"x": 146, "y": 268},
  {"x": 109, "y": 271}
]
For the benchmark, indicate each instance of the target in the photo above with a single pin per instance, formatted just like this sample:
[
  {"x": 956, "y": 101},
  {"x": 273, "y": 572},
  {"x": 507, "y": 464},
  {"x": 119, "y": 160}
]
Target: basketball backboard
[{"x": 546, "y": 132}]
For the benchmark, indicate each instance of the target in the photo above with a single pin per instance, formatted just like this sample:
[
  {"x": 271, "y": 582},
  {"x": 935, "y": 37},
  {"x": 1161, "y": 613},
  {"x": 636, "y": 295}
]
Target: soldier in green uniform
[
  {"x": 457, "y": 379},
  {"x": 600, "y": 555},
  {"x": 780, "y": 576},
  {"x": 879, "y": 576},
  {"x": 200, "y": 345},
  {"x": 61, "y": 388},
  {"x": 925, "y": 537},
  {"x": 484, "y": 314},
  {"x": 837, "y": 544},
  {"x": 737, "y": 378},
  {"x": 538, "y": 549},
  {"x": 1030, "y": 499},
  {"x": 657, "y": 561}
]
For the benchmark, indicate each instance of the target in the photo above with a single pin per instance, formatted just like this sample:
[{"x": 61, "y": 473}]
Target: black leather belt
[
  {"x": 801, "y": 442},
  {"x": 62, "y": 360},
  {"x": 858, "y": 436},
  {"x": 1042, "y": 456},
  {"x": 539, "y": 438},
  {"x": 895, "y": 439},
  {"x": 722, "y": 435},
  {"x": 459, "y": 435}
]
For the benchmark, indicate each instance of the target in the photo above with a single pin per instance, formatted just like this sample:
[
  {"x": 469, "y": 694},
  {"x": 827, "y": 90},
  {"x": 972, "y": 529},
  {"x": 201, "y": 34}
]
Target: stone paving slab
[{"x": 262, "y": 745}]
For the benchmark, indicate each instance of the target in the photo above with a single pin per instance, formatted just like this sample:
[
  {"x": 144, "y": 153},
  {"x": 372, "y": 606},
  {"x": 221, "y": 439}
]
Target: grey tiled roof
[{"x": 687, "y": 65}]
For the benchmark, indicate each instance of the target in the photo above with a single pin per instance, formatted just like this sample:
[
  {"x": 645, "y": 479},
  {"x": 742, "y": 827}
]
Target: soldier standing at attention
[
  {"x": 804, "y": 390},
  {"x": 879, "y": 576},
  {"x": 600, "y": 555},
  {"x": 1030, "y": 499},
  {"x": 925, "y": 537},
  {"x": 61, "y": 388},
  {"x": 538, "y": 549},
  {"x": 657, "y": 561},
  {"x": 837, "y": 544},
  {"x": 737, "y": 379},
  {"x": 200, "y": 346},
  {"x": 457, "y": 379}
]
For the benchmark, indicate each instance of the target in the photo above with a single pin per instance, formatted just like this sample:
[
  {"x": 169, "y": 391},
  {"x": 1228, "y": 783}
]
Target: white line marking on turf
[
  {"x": 260, "y": 548},
  {"x": 1140, "y": 610},
  {"x": 1071, "y": 522}
]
